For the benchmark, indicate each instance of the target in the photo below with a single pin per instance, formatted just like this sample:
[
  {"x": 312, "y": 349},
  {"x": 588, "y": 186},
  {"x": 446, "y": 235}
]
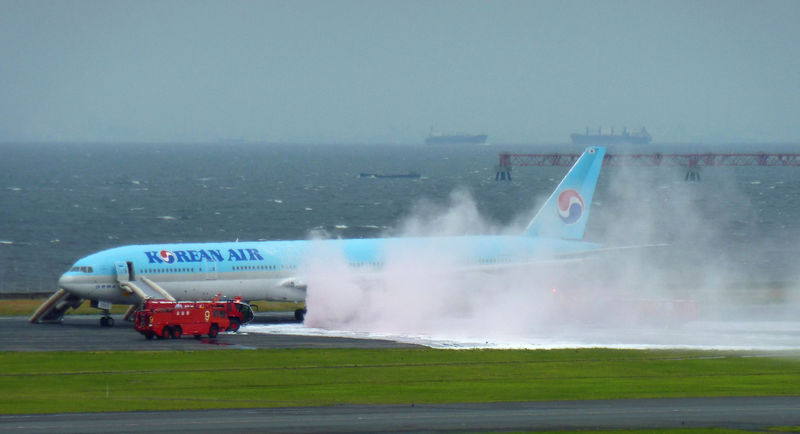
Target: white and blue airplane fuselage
[{"x": 274, "y": 270}]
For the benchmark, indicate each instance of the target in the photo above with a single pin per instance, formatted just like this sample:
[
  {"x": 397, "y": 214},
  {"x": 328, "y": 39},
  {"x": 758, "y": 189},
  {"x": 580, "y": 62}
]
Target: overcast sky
[{"x": 388, "y": 71}]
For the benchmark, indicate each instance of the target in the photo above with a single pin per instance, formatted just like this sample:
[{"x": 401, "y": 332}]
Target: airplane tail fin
[{"x": 566, "y": 211}]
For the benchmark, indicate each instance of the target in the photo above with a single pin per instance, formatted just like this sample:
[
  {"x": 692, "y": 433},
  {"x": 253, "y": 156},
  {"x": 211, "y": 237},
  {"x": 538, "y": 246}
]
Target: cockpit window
[{"x": 82, "y": 269}]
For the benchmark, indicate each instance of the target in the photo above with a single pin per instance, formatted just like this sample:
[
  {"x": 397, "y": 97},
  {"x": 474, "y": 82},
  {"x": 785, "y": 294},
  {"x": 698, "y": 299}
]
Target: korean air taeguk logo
[
  {"x": 167, "y": 256},
  {"x": 570, "y": 206}
]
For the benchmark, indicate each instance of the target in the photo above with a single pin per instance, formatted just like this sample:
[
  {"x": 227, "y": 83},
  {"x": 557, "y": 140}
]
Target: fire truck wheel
[
  {"x": 167, "y": 332},
  {"x": 234, "y": 325},
  {"x": 212, "y": 332},
  {"x": 299, "y": 314},
  {"x": 149, "y": 336},
  {"x": 177, "y": 332}
]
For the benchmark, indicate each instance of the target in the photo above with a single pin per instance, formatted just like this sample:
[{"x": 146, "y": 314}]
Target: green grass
[
  {"x": 26, "y": 307},
  {"x": 117, "y": 381}
]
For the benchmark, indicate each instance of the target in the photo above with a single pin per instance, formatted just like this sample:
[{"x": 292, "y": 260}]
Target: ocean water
[{"x": 59, "y": 202}]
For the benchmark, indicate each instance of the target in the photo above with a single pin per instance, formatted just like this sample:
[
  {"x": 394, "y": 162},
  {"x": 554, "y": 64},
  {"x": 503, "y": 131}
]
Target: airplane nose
[{"x": 65, "y": 281}]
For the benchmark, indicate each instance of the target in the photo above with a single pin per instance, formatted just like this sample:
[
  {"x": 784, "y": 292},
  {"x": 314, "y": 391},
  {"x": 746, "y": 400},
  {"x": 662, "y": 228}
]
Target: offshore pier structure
[{"x": 693, "y": 162}]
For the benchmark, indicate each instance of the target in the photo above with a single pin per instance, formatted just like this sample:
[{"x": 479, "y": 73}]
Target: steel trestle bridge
[{"x": 692, "y": 162}]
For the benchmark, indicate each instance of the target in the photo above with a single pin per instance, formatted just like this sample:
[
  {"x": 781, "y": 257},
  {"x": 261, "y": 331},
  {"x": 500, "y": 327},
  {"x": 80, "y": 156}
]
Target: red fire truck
[{"x": 167, "y": 319}]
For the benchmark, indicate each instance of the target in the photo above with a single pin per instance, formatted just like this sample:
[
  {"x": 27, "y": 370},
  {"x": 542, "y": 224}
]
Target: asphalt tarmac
[
  {"x": 738, "y": 413},
  {"x": 83, "y": 333}
]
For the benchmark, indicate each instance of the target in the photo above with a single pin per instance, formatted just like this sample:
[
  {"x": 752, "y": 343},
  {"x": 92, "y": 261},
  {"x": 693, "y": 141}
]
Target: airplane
[{"x": 273, "y": 270}]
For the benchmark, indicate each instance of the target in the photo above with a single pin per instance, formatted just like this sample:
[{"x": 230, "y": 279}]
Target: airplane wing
[
  {"x": 586, "y": 254},
  {"x": 294, "y": 282}
]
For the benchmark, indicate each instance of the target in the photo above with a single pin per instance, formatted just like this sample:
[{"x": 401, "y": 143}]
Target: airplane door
[
  {"x": 122, "y": 271},
  {"x": 211, "y": 270}
]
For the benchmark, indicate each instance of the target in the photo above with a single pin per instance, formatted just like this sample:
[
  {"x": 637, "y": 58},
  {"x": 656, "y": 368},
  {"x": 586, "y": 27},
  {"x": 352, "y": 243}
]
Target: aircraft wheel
[
  {"x": 234, "y": 325},
  {"x": 177, "y": 332},
  {"x": 103, "y": 322},
  {"x": 299, "y": 314},
  {"x": 167, "y": 332},
  {"x": 212, "y": 332}
]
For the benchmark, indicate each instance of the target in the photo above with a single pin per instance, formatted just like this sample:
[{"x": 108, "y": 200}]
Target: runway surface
[
  {"x": 741, "y": 413},
  {"x": 83, "y": 333},
  {"x": 280, "y": 330}
]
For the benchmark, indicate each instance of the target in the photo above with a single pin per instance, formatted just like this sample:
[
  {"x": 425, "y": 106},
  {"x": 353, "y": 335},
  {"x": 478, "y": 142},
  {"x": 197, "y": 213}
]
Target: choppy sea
[{"x": 59, "y": 202}]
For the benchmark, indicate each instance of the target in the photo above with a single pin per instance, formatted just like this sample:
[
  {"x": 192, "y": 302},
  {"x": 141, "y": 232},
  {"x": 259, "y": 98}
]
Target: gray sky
[{"x": 387, "y": 71}]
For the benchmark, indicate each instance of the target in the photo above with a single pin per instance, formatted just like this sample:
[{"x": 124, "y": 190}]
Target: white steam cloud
[{"x": 693, "y": 293}]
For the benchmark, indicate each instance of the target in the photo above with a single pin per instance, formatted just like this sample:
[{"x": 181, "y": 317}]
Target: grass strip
[{"x": 122, "y": 381}]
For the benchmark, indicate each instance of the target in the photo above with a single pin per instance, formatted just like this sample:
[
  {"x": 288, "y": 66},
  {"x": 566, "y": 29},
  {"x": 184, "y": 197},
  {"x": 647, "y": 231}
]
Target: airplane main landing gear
[{"x": 299, "y": 314}]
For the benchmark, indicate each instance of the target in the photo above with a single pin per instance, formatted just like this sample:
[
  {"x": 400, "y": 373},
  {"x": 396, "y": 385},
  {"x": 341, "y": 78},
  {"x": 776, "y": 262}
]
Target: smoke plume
[{"x": 674, "y": 275}]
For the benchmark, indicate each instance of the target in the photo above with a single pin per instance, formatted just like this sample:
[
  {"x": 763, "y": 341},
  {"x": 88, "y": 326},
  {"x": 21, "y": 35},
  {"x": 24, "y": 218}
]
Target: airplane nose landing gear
[{"x": 106, "y": 320}]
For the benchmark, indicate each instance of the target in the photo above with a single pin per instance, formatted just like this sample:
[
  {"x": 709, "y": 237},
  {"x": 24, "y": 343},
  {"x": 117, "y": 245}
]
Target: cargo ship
[
  {"x": 610, "y": 137},
  {"x": 456, "y": 139}
]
